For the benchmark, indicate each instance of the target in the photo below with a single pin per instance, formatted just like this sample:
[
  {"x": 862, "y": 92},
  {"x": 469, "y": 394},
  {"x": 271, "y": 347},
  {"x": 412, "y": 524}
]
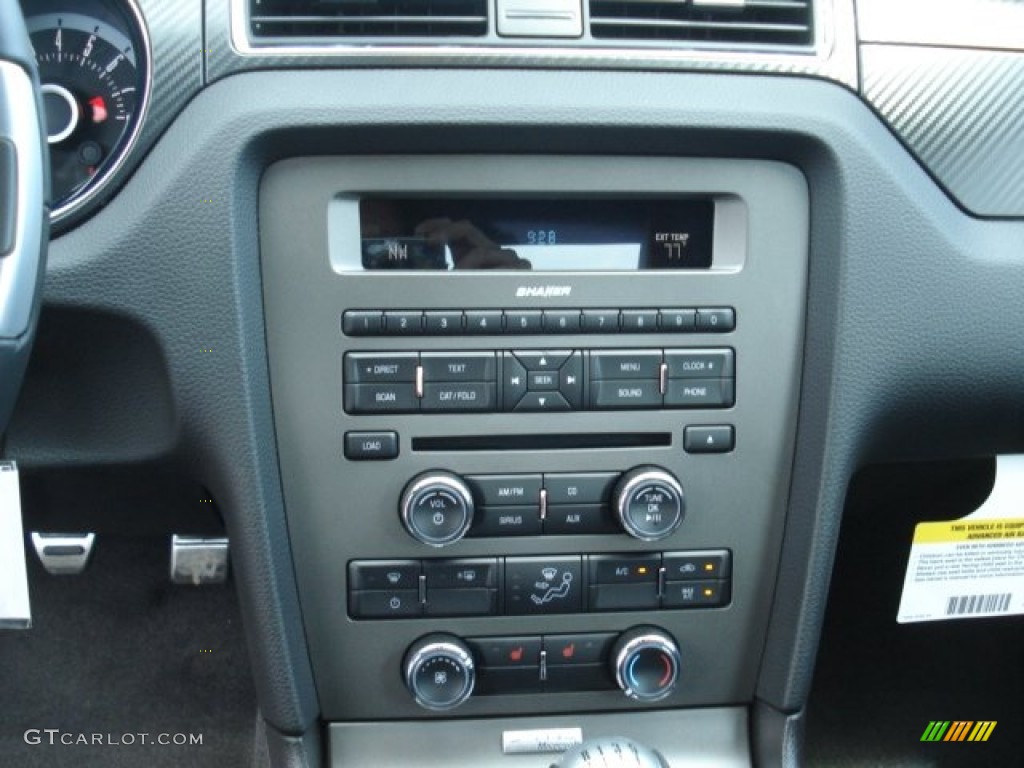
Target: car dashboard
[{"x": 524, "y": 353}]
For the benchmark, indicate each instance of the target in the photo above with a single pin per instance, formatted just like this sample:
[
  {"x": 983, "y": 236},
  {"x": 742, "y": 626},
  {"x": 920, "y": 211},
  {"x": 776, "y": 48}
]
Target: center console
[{"x": 535, "y": 419}]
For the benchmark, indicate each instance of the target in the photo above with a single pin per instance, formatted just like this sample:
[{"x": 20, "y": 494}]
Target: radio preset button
[
  {"x": 484, "y": 322},
  {"x": 639, "y": 320},
  {"x": 561, "y": 321},
  {"x": 468, "y": 396},
  {"x": 699, "y": 393},
  {"x": 442, "y": 323},
  {"x": 677, "y": 320},
  {"x": 381, "y": 398},
  {"x": 613, "y": 394},
  {"x": 361, "y": 323},
  {"x": 717, "y": 320},
  {"x": 625, "y": 364},
  {"x": 377, "y": 367},
  {"x": 371, "y": 446},
  {"x": 524, "y": 321},
  {"x": 601, "y": 320},
  {"x": 403, "y": 323},
  {"x": 459, "y": 366}
]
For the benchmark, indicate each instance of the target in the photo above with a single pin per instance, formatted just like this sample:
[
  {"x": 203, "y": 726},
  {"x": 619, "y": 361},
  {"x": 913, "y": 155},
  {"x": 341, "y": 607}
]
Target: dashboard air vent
[
  {"x": 728, "y": 22},
  {"x": 310, "y": 19}
]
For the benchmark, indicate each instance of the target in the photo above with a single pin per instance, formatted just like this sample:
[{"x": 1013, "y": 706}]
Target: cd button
[{"x": 582, "y": 488}]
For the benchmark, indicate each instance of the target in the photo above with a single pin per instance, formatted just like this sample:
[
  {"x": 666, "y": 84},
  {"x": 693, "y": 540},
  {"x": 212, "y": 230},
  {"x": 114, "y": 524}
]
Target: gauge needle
[{"x": 99, "y": 109}]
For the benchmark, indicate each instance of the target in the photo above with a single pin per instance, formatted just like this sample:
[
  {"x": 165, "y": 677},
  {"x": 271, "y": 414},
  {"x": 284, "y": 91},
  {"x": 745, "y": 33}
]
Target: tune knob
[
  {"x": 439, "y": 671},
  {"x": 645, "y": 662},
  {"x": 437, "y": 508},
  {"x": 649, "y": 503}
]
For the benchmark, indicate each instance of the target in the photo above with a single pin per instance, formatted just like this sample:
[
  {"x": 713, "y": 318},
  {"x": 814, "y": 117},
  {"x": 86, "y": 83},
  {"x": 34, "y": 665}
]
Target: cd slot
[{"x": 547, "y": 442}]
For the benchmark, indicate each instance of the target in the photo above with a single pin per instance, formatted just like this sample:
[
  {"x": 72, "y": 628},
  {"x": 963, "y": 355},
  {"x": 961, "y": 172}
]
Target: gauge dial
[{"x": 93, "y": 78}]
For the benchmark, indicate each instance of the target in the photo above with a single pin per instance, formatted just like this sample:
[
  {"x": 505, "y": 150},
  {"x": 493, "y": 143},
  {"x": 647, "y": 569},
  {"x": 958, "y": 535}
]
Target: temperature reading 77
[{"x": 674, "y": 244}]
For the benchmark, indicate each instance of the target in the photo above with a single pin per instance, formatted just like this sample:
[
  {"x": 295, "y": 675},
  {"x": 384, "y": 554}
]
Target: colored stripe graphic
[
  {"x": 958, "y": 731},
  {"x": 935, "y": 730},
  {"x": 982, "y": 730}
]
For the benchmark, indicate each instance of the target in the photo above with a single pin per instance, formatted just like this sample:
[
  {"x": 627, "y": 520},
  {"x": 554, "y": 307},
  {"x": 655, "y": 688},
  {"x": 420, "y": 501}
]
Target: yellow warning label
[{"x": 969, "y": 530}]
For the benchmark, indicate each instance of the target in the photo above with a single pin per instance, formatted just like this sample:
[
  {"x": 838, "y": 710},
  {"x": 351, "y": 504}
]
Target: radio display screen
[{"x": 598, "y": 234}]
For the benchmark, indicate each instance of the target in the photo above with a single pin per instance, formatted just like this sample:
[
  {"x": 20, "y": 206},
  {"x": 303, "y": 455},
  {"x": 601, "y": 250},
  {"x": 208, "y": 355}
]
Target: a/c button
[{"x": 371, "y": 446}]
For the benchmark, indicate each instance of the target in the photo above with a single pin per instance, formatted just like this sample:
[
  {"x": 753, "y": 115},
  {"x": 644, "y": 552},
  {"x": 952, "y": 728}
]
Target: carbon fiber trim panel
[
  {"x": 835, "y": 57},
  {"x": 988, "y": 24},
  {"x": 961, "y": 111}
]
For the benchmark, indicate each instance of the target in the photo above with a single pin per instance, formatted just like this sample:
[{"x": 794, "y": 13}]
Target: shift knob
[{"x": 613, "y": 752}]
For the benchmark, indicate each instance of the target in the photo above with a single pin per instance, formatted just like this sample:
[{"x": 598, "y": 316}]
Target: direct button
[
  {"x": 371, "y": 446},
  {"x": 465, "y": 366},
  {"x": 499, "y": 490},
  {"x": 374, "y": 367}
]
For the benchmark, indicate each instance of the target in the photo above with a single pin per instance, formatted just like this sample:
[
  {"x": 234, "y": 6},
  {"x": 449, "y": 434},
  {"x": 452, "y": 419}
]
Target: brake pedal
[{"x": 197, "y": 560}]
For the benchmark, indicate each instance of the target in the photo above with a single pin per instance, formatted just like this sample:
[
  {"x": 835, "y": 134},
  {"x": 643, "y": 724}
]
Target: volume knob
[
  {"x": 649, "y": 503},
  {"x": 437, "y": 508}
]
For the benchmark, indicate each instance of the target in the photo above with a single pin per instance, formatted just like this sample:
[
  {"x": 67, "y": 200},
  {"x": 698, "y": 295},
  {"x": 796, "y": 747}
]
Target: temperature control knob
[
  {"x": 645, "y": 662},
  {"x": 439, "y": 671},
  {"x": 437, "y": 508},
  {"x": 649, "y": 503}
]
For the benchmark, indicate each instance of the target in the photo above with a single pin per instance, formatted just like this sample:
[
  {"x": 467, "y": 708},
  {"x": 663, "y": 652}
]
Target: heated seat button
[
  {"x": 517, "y": 651},
  {"x": 371, "y": 446},
  {"x": 588, "y": 648}
]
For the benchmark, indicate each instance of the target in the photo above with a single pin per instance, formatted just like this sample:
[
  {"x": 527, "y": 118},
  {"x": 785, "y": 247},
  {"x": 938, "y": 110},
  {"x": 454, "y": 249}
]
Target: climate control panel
[{"x": 441, "y": 671}]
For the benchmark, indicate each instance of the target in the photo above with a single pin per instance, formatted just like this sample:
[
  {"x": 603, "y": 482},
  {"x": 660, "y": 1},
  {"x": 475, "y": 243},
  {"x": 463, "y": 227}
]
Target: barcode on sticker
[{"x": 960, "y": 605}]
